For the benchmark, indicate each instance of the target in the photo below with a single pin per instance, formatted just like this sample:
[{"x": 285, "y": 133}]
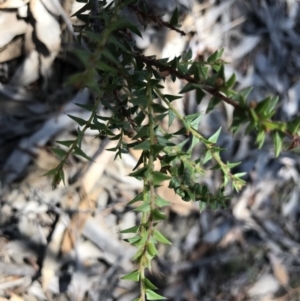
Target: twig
[
  {"x": 145, "y": 16},
  {"x": 188, "y": 78}
]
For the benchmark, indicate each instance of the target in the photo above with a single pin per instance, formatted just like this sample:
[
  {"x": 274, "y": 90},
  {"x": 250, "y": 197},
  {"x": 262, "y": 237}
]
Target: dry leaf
[{"x": 279, "y": 270}]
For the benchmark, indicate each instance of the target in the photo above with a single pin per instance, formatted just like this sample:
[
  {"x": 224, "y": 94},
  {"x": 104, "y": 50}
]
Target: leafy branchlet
[{"x": 130, "y": 85}]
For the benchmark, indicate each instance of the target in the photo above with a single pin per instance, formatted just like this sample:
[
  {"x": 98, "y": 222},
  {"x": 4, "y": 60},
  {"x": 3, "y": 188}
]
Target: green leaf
[
  {"x": 158, "y": 236},
  {"x": 145, "y": 207},
  {"x": 151, "y": 295},
  {"x": 138, "y": 253},
  {"x": 85, "y": 106},
  {"x": 266, "y": 106},
  {"x": 59, "y": 152},
  {"x": 220, "y": 53},
  {"x": 83, "y": 55},
  {"x": 140, "y": 173},
  {"x": 120, "y": 24},
  {"x": 157, "y": 148},
  {"x": 149, "y": 285},
  {"x": 159, "y": 177},
  {"x": 212, "y": 103},
  {"x": 158, "y": 215},
  {"x": 293, "y": 125},
  {"x": 213, "y": 57},
  {"x": 133, "y": 229},
  {"x": 80, "y": 121},
  {"x": 51, "y": 172},
  {"x": 260, "y": 138},
  {"x": 79, "y": 152},
  {"x": 134, "y": 240},
  {"x": 117, "y": 43},
  {"x": 202, "y": 206},
  {"x": 245, "y": 92},
  {"x": 110, "y": 56},
  {"x": 133, "y": 276},
  {"x": 277, "y": 140},
  {"x": 171, "y": 116},
  {"x": 226, "y": 179},
  {"x": 171, "y": 98},
  {"x": 188, "y": 55},
  {"x": 204, "y": 71},
  {"x": 215, "y": 136},
  {"x": 157, "y": 108},
  {"x": 207, "y": 157},
  {"x": 145, "y": 145},
  {"x": 174, "y": 183},
  {"x": 199, "y": 95},
  {"x": 139, "y": 197},
  {"x": 239, "y": 117},
  {"x": 151, "y": 249},
  {"x": 231, "y": 81},
  {"x": 105, "y": 67},
  {"x": 141, "y": 101},
  {"x": 189, "y": 87},
  {"x": 143, "y": 132},
  {"x": 240, "y": 174},
  {"x": 57, "y": 178},
  {"x": 175, "y": 17},
  {"x": 233, "y": 164},
  {"x": 161, "y": 202},
  {"x": 66, "y": 143},
  {"x": 193, "y": 120}
]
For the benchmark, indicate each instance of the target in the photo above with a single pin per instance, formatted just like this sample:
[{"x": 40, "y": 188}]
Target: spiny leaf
[
  {"x": 149, "y": 284},
  {"x": 245, "y": 92},
  {"x": 59, "y": 152},
  {"x": 294, "y": 125},
  {"x": 171, "y": 98},
  {"x": 207, "y": 157},
  {"x": 139, "y": 173},
  {"x": 158, "y": 215},
  {"x": 152, "y": 249},
  {"x": 110, "y": 56},
  {"x": 133, "y": 276},
  {"x": 215, "y": 136},
  {"x": 79, "y": 152},
  {"x": 161, "y": 202},
  {"x": 51, "y": 172},
  {"x": 145, "y": 207},
  {"x": 80, "y": 121},
  {"x": 145, "y": 145},
  {"x": 204, "y": 71},
  {"x": 231, "y": 81},
  {"x": 157, "y": 235},
  {"x": 199, "y": 95},
  {"x": 171, "y": 116},
  {"x": 277, "y": 140},
  {"x": 66, "y": 143},
  {"x": 175, "y": 16},
  {"x": 260, "y": 139},
  {"x": 133, "y": 229},
  {"x": 139, "y": 197},
  {"x": 189, "y": 87},
  {"x": 159, "y": 177},
  {"x": 151, "y": 295},
  {"x": 85, "y": 106},
  {"x": 213, "y": 57},
  {"x": 212, "y": 103}
]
